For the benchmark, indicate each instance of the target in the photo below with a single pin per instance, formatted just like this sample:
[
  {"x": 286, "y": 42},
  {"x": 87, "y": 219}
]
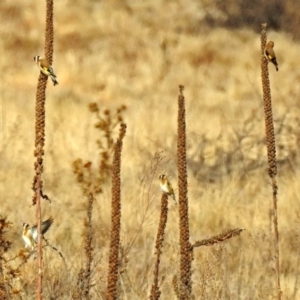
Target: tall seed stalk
[
  {"x": 271, "y": 150},
  {"x": 40, "y": 141},
  {"x": 155, "y": 291},
  {"x": 113, "y": 267},
  {"x": 185, "y": 286}
]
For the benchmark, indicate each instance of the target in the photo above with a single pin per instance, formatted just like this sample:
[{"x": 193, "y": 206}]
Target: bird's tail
[
  {"x": 274, "y": 61},
  {"x": 53, "y": 78},
  {"x": 173, "y": 196}
]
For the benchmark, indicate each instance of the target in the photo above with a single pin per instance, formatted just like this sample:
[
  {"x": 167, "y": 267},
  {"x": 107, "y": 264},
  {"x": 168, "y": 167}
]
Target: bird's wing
[
  {"x": 270, "y": 53},
  {"x": 170, "y": 187},
  {"x": 45, "y": 226},
  {"x": 44, "y": 63},
  {"x": 50, "y": 70},
  {"x": 46, "y": 70}
]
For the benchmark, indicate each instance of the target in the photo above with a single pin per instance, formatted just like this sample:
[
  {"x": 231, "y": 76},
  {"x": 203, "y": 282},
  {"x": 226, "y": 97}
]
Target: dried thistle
[
  {"x": 228, "y": 234},
  {"x": 8, "y": 274},
  {"x": 40, "y": 139},
  {"x": 155, "y": 292},
  {"x": 270, "y": 136},
  {"x": 91, "y": 178},
  {"x": 83, "y": 284},
  {"x": 88, "y": 251},
  {"x": 185, "y": 286},
  {"x": 80, "y": 286},
  {"x": 271, "y": 150},
  {"x": 112, "y": 278}
]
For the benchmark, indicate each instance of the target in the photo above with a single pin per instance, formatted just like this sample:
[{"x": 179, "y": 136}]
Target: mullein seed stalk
[{"x": 271, "y": 150}]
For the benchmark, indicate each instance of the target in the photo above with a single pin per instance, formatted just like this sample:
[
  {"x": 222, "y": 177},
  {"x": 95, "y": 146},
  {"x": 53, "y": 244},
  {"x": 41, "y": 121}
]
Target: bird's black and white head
[
  {"x": 36, "y": 58},
  {"x": 162, "y": 177},
  {"x": 25, "y": 226}
]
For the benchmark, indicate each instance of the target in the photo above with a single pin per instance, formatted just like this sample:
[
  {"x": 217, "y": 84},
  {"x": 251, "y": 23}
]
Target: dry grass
[{"x": 136, "y": 54}]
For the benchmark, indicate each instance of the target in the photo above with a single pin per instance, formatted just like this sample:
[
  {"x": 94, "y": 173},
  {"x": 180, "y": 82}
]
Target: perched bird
[
  {"x": 270, "y": 54},
  {"x": 30, "y": 235},
  {"x": 45, "y": 68},
  {"x": 166, "y": 186}
]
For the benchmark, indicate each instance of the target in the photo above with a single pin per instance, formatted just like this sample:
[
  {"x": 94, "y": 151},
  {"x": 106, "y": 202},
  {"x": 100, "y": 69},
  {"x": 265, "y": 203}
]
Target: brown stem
[
  {"x": 40, "y": 142},
  {"x": 88, "y": 249},
  {"x": 155, "y": 292},
  {"x": 185, "y": 287},
  {"x": 228, "y": 234},
  {"x": 271, "y": 149},
  {"x": 112, "y": 277},
  {"x": 39, "y": 242}
]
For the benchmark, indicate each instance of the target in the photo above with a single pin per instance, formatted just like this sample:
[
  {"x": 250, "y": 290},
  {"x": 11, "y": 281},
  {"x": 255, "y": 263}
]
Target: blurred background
[{"x": 137, "y": 53}]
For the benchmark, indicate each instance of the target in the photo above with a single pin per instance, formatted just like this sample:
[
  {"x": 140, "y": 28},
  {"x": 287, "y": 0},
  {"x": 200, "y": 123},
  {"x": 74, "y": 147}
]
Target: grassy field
[{"x": 137, "y": 54}]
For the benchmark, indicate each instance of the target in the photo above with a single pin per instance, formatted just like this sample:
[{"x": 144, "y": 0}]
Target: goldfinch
[
  {"x": 30, "y": 235},
  {"x": 45, "y": 68},
  {"x": 166, "y": 186},
  {"x": 270, "y": 54}
]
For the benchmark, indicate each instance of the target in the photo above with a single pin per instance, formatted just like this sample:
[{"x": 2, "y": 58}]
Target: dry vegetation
[{"x": 135, "y": 54}]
